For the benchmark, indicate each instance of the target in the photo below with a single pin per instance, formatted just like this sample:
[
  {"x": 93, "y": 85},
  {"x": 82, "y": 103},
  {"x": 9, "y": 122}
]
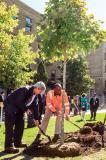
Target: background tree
[
  {"x": 78, "y": 78},
  {"x": 41, "y": 72},
  {"x": 16, "y": 55}
]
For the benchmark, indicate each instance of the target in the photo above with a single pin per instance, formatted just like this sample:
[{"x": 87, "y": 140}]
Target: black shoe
[
  {"x": 55, "y": 138},
  {"x": 20, "y": 145},
  {"x": 11, "y": 150}
]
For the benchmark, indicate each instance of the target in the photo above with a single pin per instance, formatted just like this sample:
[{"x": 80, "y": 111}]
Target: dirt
[{"x": 84, "y": 142}]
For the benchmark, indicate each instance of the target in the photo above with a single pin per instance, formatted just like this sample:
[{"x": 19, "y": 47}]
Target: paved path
[{"x": 98, "y": 111}]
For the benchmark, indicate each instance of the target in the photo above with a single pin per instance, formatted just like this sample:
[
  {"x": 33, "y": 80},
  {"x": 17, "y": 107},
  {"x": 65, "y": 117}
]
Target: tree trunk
[{"x": 63, "y": 106}]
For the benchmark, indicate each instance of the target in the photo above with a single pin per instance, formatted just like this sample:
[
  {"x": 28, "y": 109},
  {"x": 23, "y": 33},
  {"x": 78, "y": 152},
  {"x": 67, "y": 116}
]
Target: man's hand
[
  {"x": 36, "y": 122},
  {"x": 52, "y": 109},
  {"x": 29, "y": 112}
]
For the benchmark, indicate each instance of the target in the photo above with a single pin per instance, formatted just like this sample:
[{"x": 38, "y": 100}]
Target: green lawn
[{"x": 29, "y": 134}]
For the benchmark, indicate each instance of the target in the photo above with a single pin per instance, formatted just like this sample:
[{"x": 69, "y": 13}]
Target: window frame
[{"x": 28, "y": 24}]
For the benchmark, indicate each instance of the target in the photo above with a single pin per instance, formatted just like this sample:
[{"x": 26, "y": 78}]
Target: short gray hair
[{"x": 40, "y": 84}]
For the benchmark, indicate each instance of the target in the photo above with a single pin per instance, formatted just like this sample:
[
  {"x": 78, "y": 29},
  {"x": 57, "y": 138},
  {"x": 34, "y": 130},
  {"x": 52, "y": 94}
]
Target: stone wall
[{"x": 26, "y": 11}]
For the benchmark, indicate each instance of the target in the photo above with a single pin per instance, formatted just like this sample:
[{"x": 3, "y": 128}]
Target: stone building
[
  {"x": 97, "y": 70},
  {"x": 28, "y": 18}
]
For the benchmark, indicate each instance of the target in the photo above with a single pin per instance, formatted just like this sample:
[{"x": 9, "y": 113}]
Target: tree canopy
[
  {"x": 68, "y": 28},
  {"x": 16, "y": 53}
]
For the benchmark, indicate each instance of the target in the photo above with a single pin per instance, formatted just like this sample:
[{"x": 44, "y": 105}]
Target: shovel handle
[
  {"x": 44, "y": 133},
  {"x": 73, "y": 124},
  {"x": 105, "y": 119}
]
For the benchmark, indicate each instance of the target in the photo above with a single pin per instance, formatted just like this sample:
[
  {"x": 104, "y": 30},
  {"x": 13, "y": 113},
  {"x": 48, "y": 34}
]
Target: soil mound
[{"x": 88, "y": 140}]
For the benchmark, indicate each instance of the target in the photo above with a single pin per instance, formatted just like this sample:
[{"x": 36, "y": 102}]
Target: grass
[{"x": 29, "y": 134}]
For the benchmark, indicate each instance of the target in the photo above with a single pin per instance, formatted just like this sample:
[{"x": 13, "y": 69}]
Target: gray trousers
[{"x": 46, "y": 118}]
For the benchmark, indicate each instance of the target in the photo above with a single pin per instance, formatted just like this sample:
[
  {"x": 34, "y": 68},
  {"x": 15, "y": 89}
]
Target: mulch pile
[{"x": 86, "y": 141}]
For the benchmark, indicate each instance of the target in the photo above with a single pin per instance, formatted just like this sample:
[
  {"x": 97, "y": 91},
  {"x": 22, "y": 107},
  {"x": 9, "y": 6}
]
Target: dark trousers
[
  {"x": 14, "y": 126},
  {"x": 30, "y": 122},
  {"x": 93, "y": 113}
]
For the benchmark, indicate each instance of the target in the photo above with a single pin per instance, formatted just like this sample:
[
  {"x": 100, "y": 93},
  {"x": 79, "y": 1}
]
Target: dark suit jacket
[
  {"x": 17, "y": 100},
  {"x": 94, "y": 103}
]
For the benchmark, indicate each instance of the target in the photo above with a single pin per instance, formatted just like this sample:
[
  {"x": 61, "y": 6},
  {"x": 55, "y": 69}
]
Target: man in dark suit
[
  {"x": 15, "y": 105},
  {"x": 94, "y": 104}
]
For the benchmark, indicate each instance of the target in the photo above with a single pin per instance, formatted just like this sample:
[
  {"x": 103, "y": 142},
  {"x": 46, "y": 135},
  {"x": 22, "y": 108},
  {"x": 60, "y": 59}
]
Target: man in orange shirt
[{"x": 54, "y": 105}]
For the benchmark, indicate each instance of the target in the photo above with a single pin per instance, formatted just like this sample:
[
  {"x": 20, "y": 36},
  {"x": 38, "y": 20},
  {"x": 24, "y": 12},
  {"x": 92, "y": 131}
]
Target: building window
[
  {"x": 14, "y": 17},
  {"x": 105, "y": 56},
  {"x": 28, "y": 24}
]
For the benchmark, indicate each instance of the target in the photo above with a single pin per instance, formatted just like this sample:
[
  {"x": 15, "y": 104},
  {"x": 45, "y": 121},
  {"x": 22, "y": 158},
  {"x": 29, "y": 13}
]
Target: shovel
[
  {"x": 42, "y": 130},
  {"x": 44, "y": 134},
  {"x": 73, "y": 123}
]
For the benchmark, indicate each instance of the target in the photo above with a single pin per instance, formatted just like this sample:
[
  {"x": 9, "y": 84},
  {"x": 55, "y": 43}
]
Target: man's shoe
[
  {"x": 55, "y": 138},
  {"x": 11, "y": 150},
  {"x": 20, "y": 145}
]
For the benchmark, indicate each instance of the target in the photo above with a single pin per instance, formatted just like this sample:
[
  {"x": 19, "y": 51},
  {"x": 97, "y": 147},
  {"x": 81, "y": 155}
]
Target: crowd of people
[
  {"x": 80, "y": 105},
  {"x": 35, "y": 101}
]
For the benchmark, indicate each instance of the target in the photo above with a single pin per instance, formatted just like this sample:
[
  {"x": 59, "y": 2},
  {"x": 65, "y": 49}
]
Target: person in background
[
  {"x": 70, "y": 99},
  {"x": 41, "y": 105},
  {"x": 72, "y": 105},
  {"x": 1, "y": 105},
  {"x": 76, "y": 104},
  {"x": 33, "y": 107},
  {"x": 79, "y": 99},
  {"x": 84, "y": 106},
  {"x": 38, "y": 106},
  {"x": 16, "y": 104},
  {"x": 53, "y": 105},
  {"x": 1, "y": 98},
  {"x": 94, "y": 104}
]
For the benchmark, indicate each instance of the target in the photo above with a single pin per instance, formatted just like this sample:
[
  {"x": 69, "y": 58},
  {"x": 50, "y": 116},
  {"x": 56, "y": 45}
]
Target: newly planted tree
[{"x": 67, "y": 31}]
